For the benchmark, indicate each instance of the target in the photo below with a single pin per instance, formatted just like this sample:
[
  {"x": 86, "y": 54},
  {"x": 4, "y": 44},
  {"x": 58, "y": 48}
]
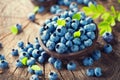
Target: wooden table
[{"x": 16, "y": 11}]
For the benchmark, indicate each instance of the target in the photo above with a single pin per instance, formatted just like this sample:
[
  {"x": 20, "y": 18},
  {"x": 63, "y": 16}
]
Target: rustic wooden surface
[{"x": 15, "y": 11}]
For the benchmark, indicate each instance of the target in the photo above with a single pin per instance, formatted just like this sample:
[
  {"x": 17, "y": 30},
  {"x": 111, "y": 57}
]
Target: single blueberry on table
[
  {"x": 58, "y": 64},
  {"x": 36, "y": 53},
  {"x": 52, "y": 60},
  {"x": 88, "y": 61},
  {"x": 31, "y": 61},
  {"x": 19, "y": 63},
  {"x": 98, "y": 71},
  {"x": 53, "y": 76},
  {"x": 96, "y": 55},
  {"x": 108, "y": 37},
  {"x": 41, "y": 59},
  {"x": 71, "y": 66},
  {"x": 41, "y": 9},
  {"x": 34, "y": 77},
  {"x": 21, "y": 44},
  {"x": 29, "y": 51},
  {"x": 3, "y": 64},
  {"x": 108, "y": 49},
  {"x": 38, "y": 72},
  {"x": 2, "y": 57},
  {"x": 14, "y": 52},
  {"x": 90, "y": 72},
  {"x": 31, "y": 17}
]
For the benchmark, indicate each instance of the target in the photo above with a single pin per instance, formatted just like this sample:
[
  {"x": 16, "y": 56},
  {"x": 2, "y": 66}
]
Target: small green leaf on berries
[
  {"x": 35, "y": 67},
  {"x": 36, "y": 8},
  {"x": 77, "y": 34},
  {"x": 61, "y": 22},
  {"x": 14, "y": 30},
  {"x": 76, "y": 16},
  {"x": 24, "y": 61}
]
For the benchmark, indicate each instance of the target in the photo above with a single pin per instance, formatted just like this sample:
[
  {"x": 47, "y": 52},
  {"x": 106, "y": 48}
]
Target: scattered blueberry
[
  {"x": 88, "y": 61},
  {"x": 108, "y": 37},
  {"x": 98, "y": 71},
  {"x": 108, "y": 48},
  {"x": 90, "y": 72},
  {"x": 53, "y": 76},
  {"x": 71, "y": 66}
]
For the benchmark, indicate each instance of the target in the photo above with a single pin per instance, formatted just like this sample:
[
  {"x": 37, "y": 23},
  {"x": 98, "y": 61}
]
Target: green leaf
[
  {"x": 118, "y": 17},
  {"x": 104, "y": 27},
  {"x": 87, "y": 10},
  {"x": 105, "y": 15},
  {"x": 61, "y": 22},
  {"x": 101, "y": 9},
  {"x": 95, "y": 16},
  {"x": 93, "y": 7},
  {"x": 76, "y": 16},
  {"x": 14, "y": 30},
  {"x": 36, "y": 8},
  {"x": 113, "y": 23},
  {"x": 113, "y": 11},
  {"x": 35, "y": 67},
  {"x": 24, "y": 60},
  {"x": 77, "y": 34},
  {"x": 119, "y": 1}
]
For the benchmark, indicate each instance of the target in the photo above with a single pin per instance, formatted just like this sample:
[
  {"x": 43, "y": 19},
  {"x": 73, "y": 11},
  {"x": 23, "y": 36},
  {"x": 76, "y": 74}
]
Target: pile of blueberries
[{"x": 62, "y": 39}]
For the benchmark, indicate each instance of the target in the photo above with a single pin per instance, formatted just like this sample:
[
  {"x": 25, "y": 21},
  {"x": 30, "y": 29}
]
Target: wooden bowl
[{"x": 45, "y": 3}]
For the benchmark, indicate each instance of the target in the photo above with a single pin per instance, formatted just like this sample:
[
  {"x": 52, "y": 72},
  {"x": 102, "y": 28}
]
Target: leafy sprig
[{"x": 109, "y": 18}]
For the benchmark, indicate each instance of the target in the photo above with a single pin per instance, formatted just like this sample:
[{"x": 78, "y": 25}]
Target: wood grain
[{"x": 16, "y": 11}]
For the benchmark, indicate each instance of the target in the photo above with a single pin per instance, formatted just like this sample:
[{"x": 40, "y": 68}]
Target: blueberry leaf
[
  {"x": 118, "y": 17},
  {"x": 104, "y": 27},
  {"x": 36, "y": 8},
  {"x": 61, "y": 22},
  {"x": 77, "y": 34},
  {"x": 87, "y": 10},
  {"x": 101, "y": 9},
  {"x": 35, "y": 67},
  {"x": 119, "y": 1},
  {"x": 105, "y": 15},
  {"x": 93, "y": 7},
  {"x": 76, "y": 16},
  {"x": 24, "y": 61},
  {"x": 95, "y": 16},
  {"x": 113, "y": 11},
  {"x": 14, "y": 30}
]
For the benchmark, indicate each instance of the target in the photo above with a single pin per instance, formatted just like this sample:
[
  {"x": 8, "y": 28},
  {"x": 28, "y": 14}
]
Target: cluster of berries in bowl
[{"x": 69, "y": 32}]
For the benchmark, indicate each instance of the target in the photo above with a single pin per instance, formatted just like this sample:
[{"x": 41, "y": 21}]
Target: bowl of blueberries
[
  {"x": 69, "y": 35},
  {"x": 45, "y": 3}
]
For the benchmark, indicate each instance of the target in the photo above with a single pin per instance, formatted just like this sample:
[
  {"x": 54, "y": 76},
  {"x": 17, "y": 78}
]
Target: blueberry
[
  {"x": 79, "y": 1},
  {"x": 68, "y": 36},
  {"x": 71, "y": 66},
  {"x": 91, "y": 35},
  {"x": 45, "y": 35},
  {"x": 75, "y": 10},
  {"x": 14, "y": 52},
  {"x": 2, "y": 57},
  {"x": 38, "y": 72},
  {"x": 58, "y": 64},
  {"x": 19, "y": 63},
  {"x": 50, "y": 27},
  {"x": 54, "y": 8},
  {"x": 19, "y": 27},
  {"x": 77, "y": 41},
  {"x": 96, "y": 55},
  {"x": 36, "y": 40},
  {"x": 108, "y": 49},
  {"x": 75, "y": 48},
  {"x": 82, "y": 47},
  {"x": 50, "y": 45},
  {"x": 53, "y": 76},
  {"x": 30, "y": 70},
  {"x": 98, "y": 71},
  {"x": 71, "y": 31},
  {"x": 41, "y": 9},
  {"x": 60, "y": 11},
  {"x": 74, "y": 26},
  {"x": 65, "y": 13},
  {"x": 29, "y": 45},
  {"x": 108, "y": 37},
  {"x": 86, "y": 2},
  {"x": 88, "y": 42},
  {"x": 54, "y": 37},
  {"x": 90, "y": 72},
  {"x": 88, "y": 61},
  {"x": 36, "y": 53},
  {"x": 31, "y": 61},
  {"x": 83, "y": 37},
  {"x": 3, "y": 64},
  {"x": 83, "y": 22},
  {"x": 31, "y": 16},
  {"x": 24, "y": 54},
  {"x": 61, "y": 30},
  {"x": 55, "y": 18},
  {"x": 29, "y": 51},
  {"x": 36, "y": 45},
  {"x": 73, "y": 5},
  {"x": 90, "y": 27},
  {"x": 34, "y": 77},
  {"x": 20, "y": 44},
  {"x": 46, "y": 22},
  {"x": 41, "y": 49},
  {"x": 83, "y": 16},
  {"x": 68, "y": 22},
  {"x": 67, "y": 2},
  {"x": 82, "y": 31},
  {"x": 41, "y": 59},
  {"x": 60, "y": 48},
  {"x": 69, "y": 43},
  {"x": 44, "y": 54},
  {"x": 63, "y": 40},
  {"x": 71, "y": 13},
  {"x": 89, "y": 20},
  {"x": 60, "y": 2},
  {"x": 52, "y": 60}
]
